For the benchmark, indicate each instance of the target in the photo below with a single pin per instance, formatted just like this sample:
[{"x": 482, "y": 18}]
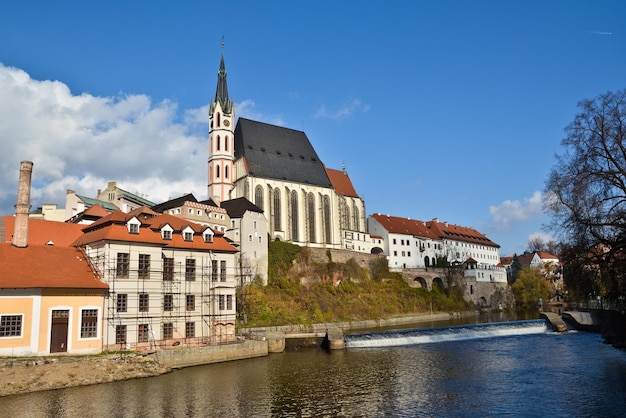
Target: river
[{"x": 517, "y": 369}]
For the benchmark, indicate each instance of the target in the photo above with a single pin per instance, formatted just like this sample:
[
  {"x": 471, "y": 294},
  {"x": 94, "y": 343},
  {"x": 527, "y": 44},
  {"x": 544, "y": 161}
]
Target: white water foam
[{"x": 436, "y": 335}]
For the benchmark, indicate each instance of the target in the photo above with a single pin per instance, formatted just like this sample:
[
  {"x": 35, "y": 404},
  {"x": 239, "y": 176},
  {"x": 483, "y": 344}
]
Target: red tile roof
[
  {"x": 113, "y": 228},
  {"x": 40, "y": 231},
  {"x": 407, "y": 226},
  {"x": 46, "y": 266},
  {"x": 341, "y": 182},
  {"x": 432, "y": 230},
  {"x": 460, "y": 233}
]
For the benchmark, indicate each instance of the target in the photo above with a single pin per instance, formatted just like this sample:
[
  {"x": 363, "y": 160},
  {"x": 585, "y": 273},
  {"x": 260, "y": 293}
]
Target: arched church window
[
  {"x": 226, "y": 143},
  {"x": 226, "y": 172},
  {"x": 355, "y": 217},
  {"x": 327, "y": 230},
  {"x": 277, "y": 225},
  {"x": 294, "y": 216},
  {"x": 217, "y": 171},
  {"x": 218, "y": 119},
  {"x": 218, "y": 143},
  {"x": 258, "y": 196},
  {"x": 311, "y": 216}
]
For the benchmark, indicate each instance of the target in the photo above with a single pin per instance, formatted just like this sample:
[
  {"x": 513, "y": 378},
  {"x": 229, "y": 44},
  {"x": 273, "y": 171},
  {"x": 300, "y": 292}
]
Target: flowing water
[{"x": 517, "y": 369}]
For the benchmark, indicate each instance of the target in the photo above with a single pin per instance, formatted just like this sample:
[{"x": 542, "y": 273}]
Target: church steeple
[
  {"x": 221, "y": 92},
  {"x": 221, "y": 139}
]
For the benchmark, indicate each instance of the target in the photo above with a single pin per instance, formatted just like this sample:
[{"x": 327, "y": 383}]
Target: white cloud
[
  {"x": 511, "y": 211},
  {"x": 342, "y": 112},
  {"x": 81, "y": 142},
  {"x": 247, "y": 109}
]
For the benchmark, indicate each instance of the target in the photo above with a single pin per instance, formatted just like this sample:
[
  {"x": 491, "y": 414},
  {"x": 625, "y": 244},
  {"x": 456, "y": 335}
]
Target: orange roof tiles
[
  {"x": 40, "y": 231},
  {"x": 397, "y": 225},
  {"x": 113, "y": 228},
  {"x": 341, "y": 182},
  {"x": 432, "y": 229},
  {"x": 45, "y": 266}
]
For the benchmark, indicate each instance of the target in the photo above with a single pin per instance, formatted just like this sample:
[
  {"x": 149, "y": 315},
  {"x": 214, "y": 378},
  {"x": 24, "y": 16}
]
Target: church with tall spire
[{"x": 278, "y": 170}]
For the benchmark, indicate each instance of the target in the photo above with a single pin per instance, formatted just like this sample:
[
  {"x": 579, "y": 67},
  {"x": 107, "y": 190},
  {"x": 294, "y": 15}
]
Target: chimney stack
[{"x": 20, "y": 233}]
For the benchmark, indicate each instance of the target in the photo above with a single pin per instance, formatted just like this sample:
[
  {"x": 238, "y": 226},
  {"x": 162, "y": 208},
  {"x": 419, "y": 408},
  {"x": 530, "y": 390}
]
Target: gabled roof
[
  {"x": 174, "y": 203},
  {"x": 41, "y": 232},
  {"x": 135, "y": 198},
  {"x": 44, "y": 266},
  {"x": 113, "y": 228},
  {"x": 546, "y": 256},
  {"x": 90, "y": 202},
  {"x": 341, "y": 182},
  {"x": 237, "y": 207},
  {"x": 406, "y": 226},
  {"x": 460, "y": 233},
  {"x": 278, "y": 153}
]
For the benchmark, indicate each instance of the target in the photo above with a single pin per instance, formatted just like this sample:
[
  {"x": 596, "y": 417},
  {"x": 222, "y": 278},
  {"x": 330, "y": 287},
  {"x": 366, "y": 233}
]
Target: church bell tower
[{"x": 221, "y": 139}]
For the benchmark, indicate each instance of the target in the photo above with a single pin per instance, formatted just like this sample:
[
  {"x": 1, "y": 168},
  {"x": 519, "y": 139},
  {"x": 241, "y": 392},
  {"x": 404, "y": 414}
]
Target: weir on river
[{"x": 442, "y": 334}]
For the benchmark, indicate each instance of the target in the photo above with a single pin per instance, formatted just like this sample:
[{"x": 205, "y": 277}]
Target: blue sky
[{"x": 446, "y": 109}]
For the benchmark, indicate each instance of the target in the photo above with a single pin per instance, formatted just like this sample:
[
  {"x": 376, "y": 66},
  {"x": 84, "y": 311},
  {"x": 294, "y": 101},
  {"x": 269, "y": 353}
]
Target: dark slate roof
[
  {"x": 237, "y": 207},
  {"x": 278, "y": 153},
  {"x": 174, "y": 203},
  {"x": 209, "y": 202}
]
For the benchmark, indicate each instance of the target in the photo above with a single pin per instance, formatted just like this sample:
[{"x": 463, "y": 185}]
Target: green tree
[
  {"x": 586, "y": 189},
  {"x": 529, "y": 287}
]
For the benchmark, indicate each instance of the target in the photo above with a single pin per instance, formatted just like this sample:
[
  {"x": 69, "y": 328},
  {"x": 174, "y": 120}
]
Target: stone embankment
[{"x": 22, "y": 375}]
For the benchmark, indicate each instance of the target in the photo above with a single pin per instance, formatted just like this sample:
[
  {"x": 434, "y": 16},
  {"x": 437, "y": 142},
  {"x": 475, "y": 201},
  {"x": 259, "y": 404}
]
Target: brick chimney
[{"x": 20, "y": 233}]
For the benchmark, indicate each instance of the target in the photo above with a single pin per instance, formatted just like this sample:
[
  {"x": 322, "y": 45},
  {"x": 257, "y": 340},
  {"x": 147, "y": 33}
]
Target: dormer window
[
  {"x": 133, "y": 228},
  {"x": 208, "y": 236},
  {"x": 167, "y": 234},
  {"x": 188, "y": 236}
]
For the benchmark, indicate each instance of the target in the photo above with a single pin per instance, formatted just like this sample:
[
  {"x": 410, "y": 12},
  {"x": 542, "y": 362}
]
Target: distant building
[
  {"x": 188, "y": 207},
  {"x": 76, "y": 204},
  {"x": 124, "y": 200}
]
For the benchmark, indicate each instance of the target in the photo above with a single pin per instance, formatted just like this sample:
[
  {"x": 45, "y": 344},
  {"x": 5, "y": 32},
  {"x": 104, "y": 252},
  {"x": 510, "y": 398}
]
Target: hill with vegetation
[{"x": 301, "y": 291}]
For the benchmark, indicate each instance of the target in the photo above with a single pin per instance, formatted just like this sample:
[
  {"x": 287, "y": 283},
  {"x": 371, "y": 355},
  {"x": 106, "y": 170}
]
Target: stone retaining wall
[{"x": 185, "y": 357}]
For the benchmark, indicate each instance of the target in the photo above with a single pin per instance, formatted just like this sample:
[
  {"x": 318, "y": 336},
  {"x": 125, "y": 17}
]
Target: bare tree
[
  {"x": 536, "y": 243},
  {"x": 586, "y": 189}
]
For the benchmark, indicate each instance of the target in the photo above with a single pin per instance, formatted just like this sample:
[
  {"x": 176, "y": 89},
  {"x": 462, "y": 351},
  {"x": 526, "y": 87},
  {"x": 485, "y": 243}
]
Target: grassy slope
[{"x": 357, "y": 294}]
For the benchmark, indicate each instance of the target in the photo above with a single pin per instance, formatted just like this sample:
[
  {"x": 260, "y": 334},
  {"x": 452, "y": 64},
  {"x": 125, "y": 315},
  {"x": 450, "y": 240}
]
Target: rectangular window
[
  {"x": 143, "y": 332},
  {"x": 394, "y": 241},
  {"x": 122, "y": 302},
  {"x": 133, "y": 228},
  {"x": 250, "y": 237},
  {"x": 229, "y": 302},
  {"x": 395, "y": 253},
  {"x": 188, "y": 236},
  {"x": 89, "y": 323},
  {"x": 168, "y": 302},
  {"x": 120, "y": 334},
  {"x": 222, "y": 271},
  {"x": 122, "y": 265},
  {"x": 144, "y": 302},
  {"x": 168, "y": 331},
  {"x": 214, "y": 270},
  {"x": 167, "y": 234},
  {"x": 191, "y": 302},
  {"x": 190, "y": 329},
  {"x": 168, "y": 269},
  {"x": 144, "y": 266},
  {"x": 190, "y": 269},
  {"x": 10, "y": 325},
  {"x": 221, "y": 302}
]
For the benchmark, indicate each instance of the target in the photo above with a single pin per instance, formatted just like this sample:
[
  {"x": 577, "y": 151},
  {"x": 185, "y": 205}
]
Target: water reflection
[{"x": 571, "y": 374}]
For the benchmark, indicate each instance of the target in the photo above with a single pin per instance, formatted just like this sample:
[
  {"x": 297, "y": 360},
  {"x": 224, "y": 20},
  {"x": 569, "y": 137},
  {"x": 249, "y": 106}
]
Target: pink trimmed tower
[{"x": 221, "y": 140}]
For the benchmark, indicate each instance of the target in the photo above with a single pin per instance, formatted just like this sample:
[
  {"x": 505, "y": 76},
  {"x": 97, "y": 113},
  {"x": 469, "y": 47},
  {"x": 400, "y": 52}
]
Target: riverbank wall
[{"x": 177, "y": 358}]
